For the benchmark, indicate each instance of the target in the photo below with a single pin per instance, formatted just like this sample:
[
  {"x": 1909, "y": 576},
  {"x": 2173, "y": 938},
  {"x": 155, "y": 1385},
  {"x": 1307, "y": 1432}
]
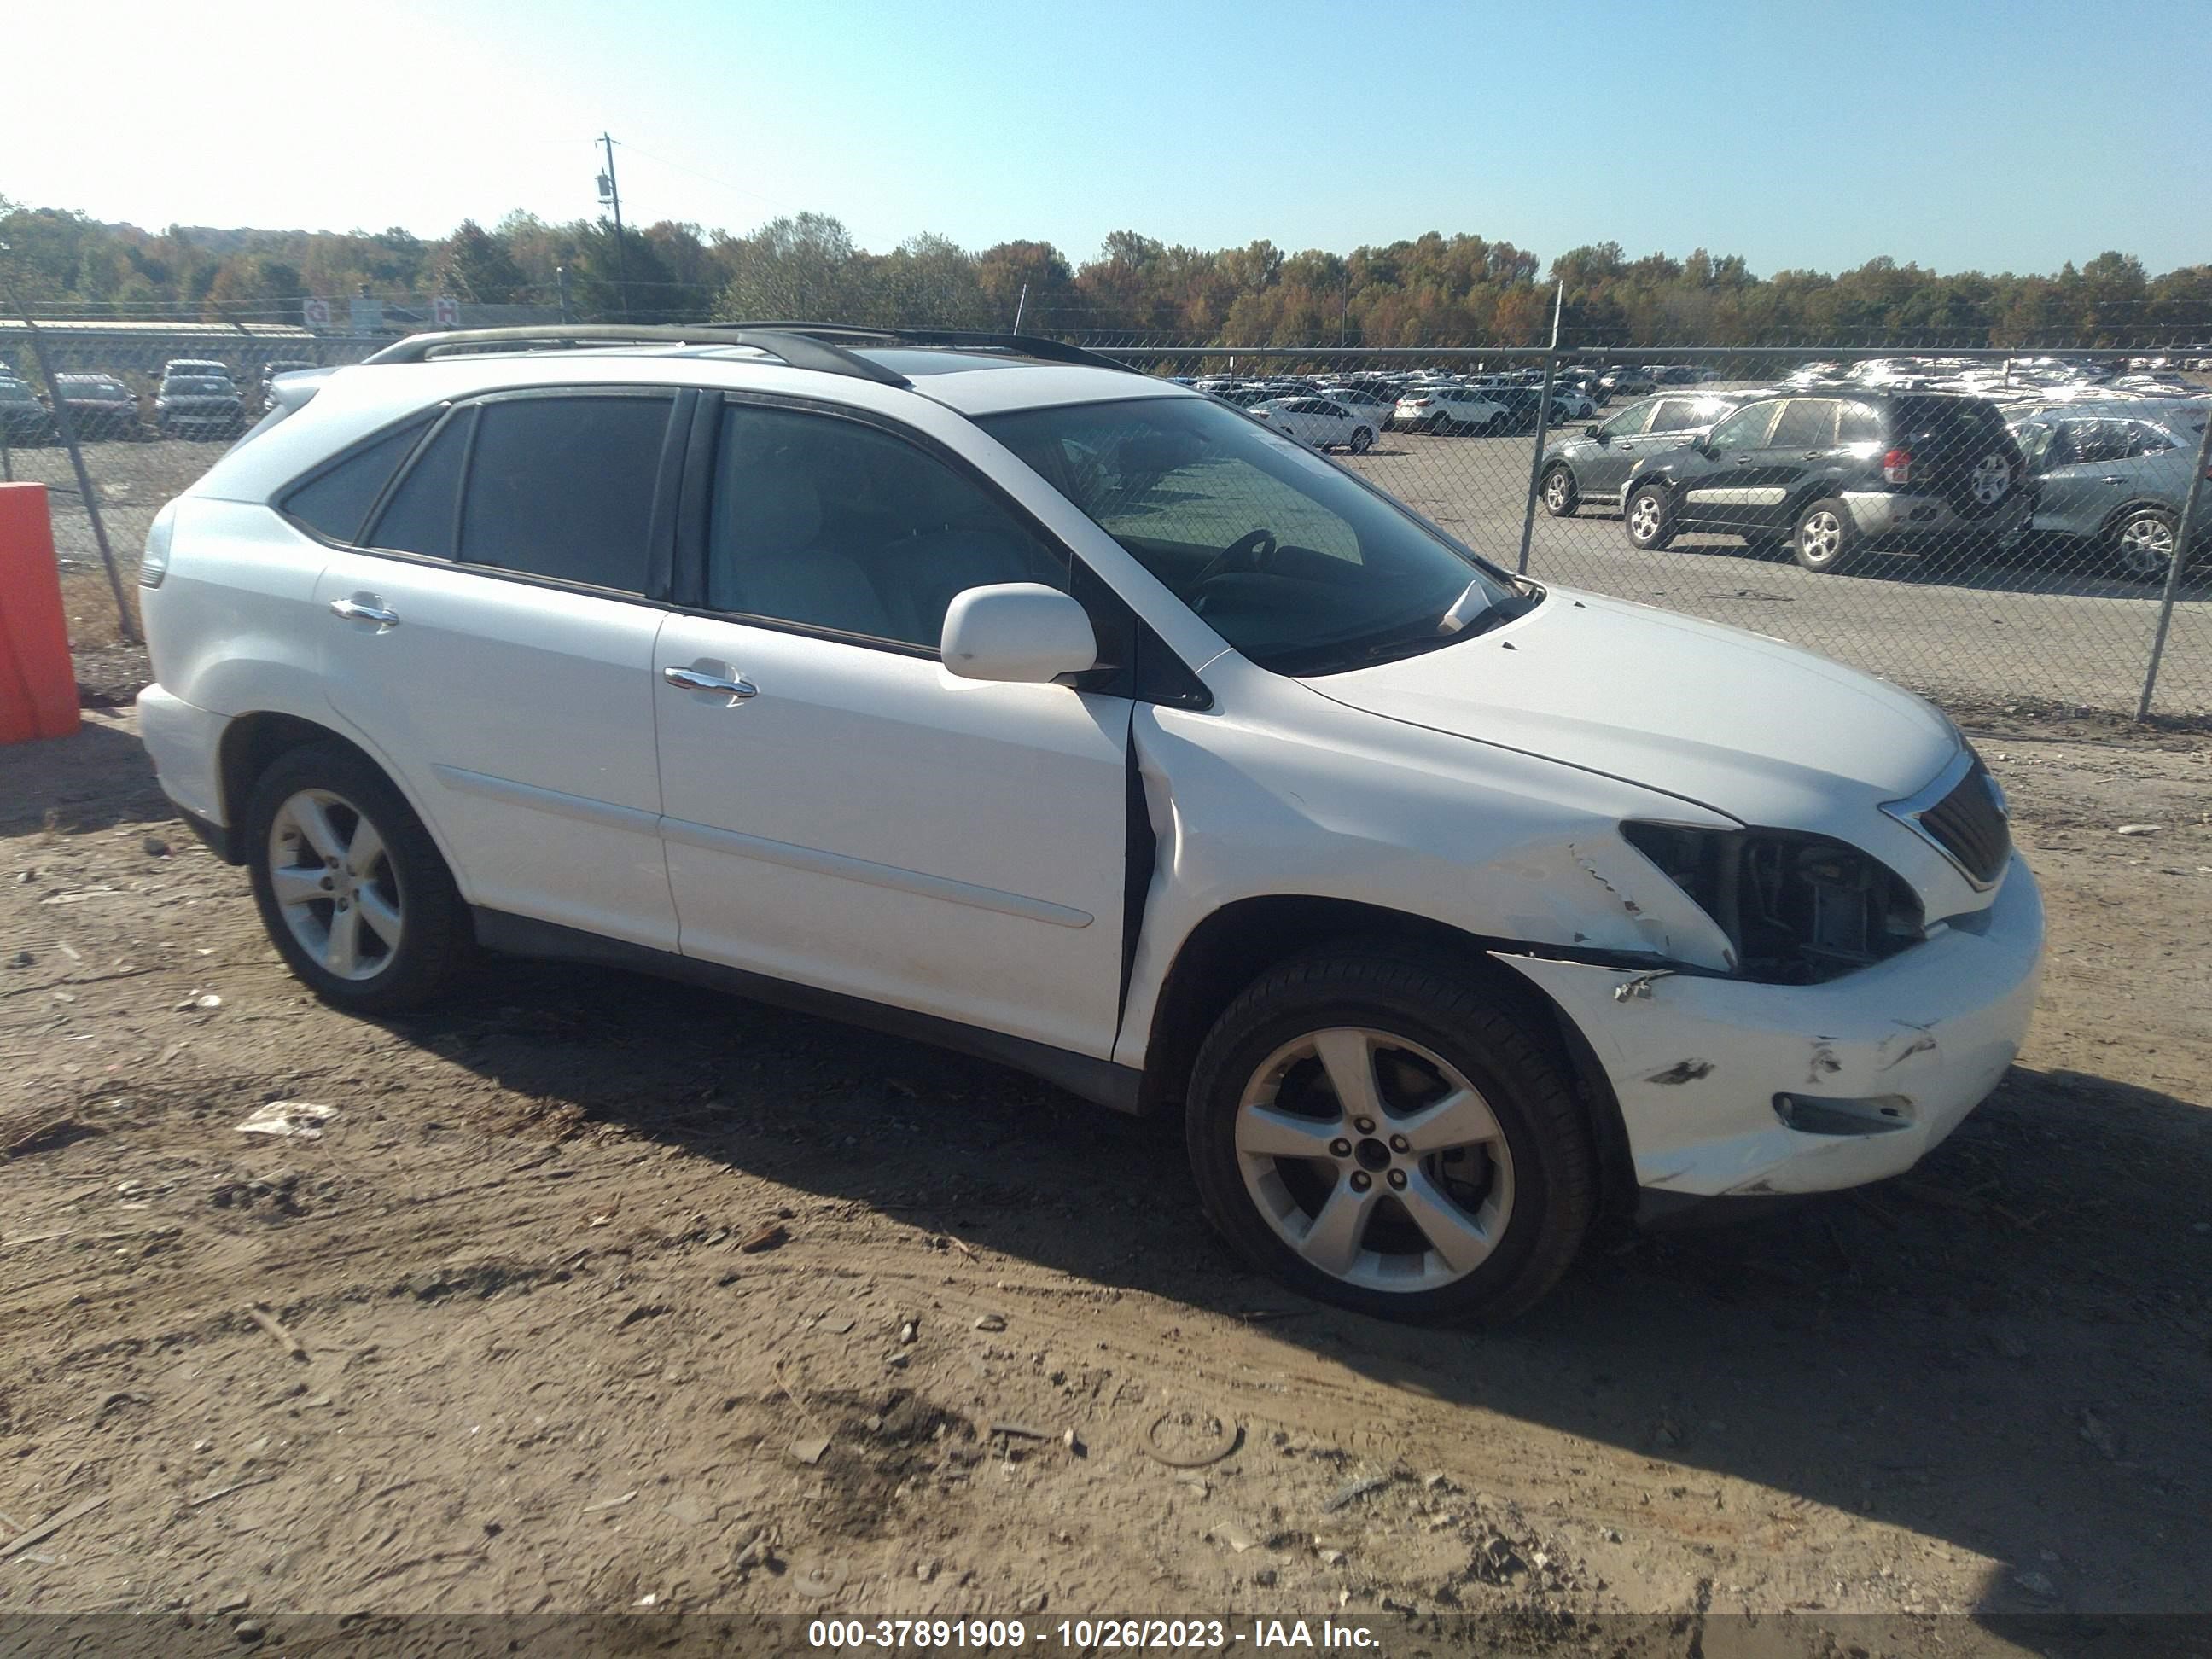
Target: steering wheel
[{"x": 1250, "y": 551}]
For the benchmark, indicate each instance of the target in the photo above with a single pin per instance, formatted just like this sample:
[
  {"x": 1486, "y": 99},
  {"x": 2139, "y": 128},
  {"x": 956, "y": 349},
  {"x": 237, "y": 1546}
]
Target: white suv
[{"x": 984, "y": 691}]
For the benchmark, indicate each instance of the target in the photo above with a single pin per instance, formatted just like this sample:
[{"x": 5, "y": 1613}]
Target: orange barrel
[{"x": 37, "y": 683}]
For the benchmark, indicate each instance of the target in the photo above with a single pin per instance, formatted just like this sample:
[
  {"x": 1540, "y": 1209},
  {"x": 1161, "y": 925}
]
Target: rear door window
[
  {"x": 562, "y": 487},
  {"x": 1807, "y": 424}
]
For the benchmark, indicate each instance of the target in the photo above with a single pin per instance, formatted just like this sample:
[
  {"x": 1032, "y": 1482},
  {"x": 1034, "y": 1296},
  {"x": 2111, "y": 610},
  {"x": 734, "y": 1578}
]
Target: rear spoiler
[{"x": 291, "y": 393}]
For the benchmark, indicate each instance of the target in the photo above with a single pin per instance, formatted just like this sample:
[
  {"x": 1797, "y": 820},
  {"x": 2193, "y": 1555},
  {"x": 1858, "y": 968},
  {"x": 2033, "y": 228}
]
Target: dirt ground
[{"x": 597, "y": 1289}]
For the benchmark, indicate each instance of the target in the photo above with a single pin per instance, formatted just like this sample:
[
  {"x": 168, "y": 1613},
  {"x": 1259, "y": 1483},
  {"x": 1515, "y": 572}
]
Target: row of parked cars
[
  {"x": 1351, "y": 411},
  {"x": 1834, "y": 469},
  {"x": 196, "y": 398}
]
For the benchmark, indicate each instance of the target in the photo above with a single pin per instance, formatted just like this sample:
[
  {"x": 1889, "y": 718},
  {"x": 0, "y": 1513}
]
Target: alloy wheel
[
  {"x": 2146, "y": 546},
  {"x": 1821, "y": 538},
  {"x": 1644, "y": 518},
  {"x": 1555, "y": 491},
  {"x": 335, "y": 884},
  {"x": 1374, "y": 1159}
]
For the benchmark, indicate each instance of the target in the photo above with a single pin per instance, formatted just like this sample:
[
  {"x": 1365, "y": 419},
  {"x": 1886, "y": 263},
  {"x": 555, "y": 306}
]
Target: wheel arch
[
  {"x": 1232, "y": 946},
  {"x": 254, "y": 742},
  {"x": 2141, "y": 504}
]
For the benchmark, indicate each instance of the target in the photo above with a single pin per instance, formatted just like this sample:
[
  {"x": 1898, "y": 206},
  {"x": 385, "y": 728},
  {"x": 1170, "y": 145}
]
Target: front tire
[
  {"x": 354, "y": 893},
  {"x": 2142, "y": 543},
  {"x": 1826, "y": 539},
  {"x": 1561, "y": 498},
  {"x": 1378, "y": 1132},
  {"x": 1649, "y": 518}
]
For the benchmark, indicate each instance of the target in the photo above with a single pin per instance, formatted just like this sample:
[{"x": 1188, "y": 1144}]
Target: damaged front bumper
[{"x": 1729, "y": 1088}]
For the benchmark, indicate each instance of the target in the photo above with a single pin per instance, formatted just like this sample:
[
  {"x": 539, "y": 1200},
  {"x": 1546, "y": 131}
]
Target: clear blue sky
[{"x": 1990, "y": 133}]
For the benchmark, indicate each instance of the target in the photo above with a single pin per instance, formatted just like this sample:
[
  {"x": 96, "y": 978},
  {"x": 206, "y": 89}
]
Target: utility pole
[
  {"x": 560, "y": 282},
  {"x": 610, "y": 193},
  {"x": 1019, "y": 304}
]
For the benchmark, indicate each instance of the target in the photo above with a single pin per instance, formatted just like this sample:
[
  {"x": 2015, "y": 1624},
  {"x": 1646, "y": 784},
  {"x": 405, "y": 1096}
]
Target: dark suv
[{"x": 1839, "y": 475}]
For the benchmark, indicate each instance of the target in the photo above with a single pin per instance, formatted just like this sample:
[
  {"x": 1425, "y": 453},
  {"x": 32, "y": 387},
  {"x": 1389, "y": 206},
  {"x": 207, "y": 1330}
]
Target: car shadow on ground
[
  {"x": 1990, "y": 1351},
  {"x": 2052, "y": 573}
]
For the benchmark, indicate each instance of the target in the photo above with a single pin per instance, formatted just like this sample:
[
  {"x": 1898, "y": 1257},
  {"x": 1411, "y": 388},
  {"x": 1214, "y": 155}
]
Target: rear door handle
[
  {"x": 691, "y": 679},
  {"x": 368, "y": 609},
  {"x": 2113, "y": 478}
]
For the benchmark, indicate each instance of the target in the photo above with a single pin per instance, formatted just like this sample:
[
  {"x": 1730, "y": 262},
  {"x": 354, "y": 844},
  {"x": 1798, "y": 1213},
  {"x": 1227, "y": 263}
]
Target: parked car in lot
[
  {"x": 198, "y": 406},
  {"x": 99, "y": 406},
  {"x": 1375, "y": 407},
  {"x": 1839, "y": 475},
  {"x": 1571, "y": 403},
  {"x": 195, "y": 369},
  {"x": 2115, "y": 476},
  {"x": 1451, "y": 408},
  {"x": 1174, "y": 763},
  {"x": 24, "y": 418},
  {"x": 1591, "y": 469},
  {"x": 1319, "y": 422},
  {"x": 1628, "y": 381}
]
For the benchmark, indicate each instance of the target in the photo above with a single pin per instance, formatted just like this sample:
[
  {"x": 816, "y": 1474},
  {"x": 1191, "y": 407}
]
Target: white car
[
  {"x": 1571, "y": 402},
  {"x": 1322, "y": 422},
  {"x": 1000, "y": 696},
  {"x": 1447, "y": 408},
  {"x": 1375, "y": 407}
]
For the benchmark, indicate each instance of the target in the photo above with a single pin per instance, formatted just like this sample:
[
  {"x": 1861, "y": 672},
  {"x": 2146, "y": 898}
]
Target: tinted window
[
  {"x": 2146, "y": 440},
  {"x": 1747, "y": 428},
  {"x": 337, "y": 503},
  {"x": 1676, "y": 415},
  {"x": 1858, "y": 424},
  {"x": 1806, "y": 423},
  {"x": 1629, "y": 422},
  {"x": 421, "y": 514},
  {"x": 837, "y": 525},
  {"x": 562, "y": 487}
]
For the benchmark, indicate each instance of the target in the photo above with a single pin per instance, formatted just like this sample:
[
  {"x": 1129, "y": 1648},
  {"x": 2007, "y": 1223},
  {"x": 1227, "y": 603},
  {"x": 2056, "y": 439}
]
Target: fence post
[
  {"x": 1543, "y": 425},
  {"x": 65, "y": 423},
  {"x": 2184, "y": 533}
]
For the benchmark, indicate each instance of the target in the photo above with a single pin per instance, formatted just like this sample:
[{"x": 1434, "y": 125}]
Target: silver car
[
  {"x": 2114, "y": 474},
  {"x": 1591, "y": 469}
]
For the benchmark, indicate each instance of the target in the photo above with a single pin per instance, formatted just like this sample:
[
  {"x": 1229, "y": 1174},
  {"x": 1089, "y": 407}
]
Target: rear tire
[
  {"x": 1561, "y": 498},
  {"x": 323, "y": 821},
  {"x": 1826, "y": 540},
  {"x": 2142, "y": 543},
  {"x": 1362, "y": 440},
  {"x": 1649, "y": 515},
  {"x": 1467, "y": 1179}
]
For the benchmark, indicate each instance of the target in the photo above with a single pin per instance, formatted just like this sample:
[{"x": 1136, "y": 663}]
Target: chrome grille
[{"x": 1970, "y": 824}]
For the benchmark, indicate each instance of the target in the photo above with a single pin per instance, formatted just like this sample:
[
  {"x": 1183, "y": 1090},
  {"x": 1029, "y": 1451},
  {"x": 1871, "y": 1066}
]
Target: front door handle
[
  {"x": 692, "y": 679},
  {"x": 2113, "y": 479},
  {"x": 368, "y": 608}
]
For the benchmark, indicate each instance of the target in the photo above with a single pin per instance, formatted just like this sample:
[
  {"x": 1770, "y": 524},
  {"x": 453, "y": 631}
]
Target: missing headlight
[{"x": 1797, "y": 909}]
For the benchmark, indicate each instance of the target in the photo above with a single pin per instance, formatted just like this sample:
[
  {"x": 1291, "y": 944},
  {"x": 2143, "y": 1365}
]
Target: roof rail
[
  {"x": 1031, "y": 345},
  {"x": 799, "y": 350}
]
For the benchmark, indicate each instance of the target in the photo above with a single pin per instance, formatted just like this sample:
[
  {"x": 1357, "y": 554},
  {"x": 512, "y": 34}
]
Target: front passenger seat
[{"x": 765, "y": 561}]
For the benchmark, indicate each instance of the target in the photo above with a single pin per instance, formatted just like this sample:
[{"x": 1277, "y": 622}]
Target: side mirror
[
  {"x": 1019, "y": 633},
  {"x": 1594, "y": 430}
]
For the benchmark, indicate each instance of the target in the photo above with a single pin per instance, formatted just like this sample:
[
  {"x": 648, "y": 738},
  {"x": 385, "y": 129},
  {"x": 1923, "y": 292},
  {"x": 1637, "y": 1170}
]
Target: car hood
[{"x": 1744, "y": 725}]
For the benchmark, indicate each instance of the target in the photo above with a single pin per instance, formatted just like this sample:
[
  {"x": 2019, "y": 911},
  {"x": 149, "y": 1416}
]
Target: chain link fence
[
  {"x": 2018, "y": 549},
  {"x": 2022, "y": 550}
]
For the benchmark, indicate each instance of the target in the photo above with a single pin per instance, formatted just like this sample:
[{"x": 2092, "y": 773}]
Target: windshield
[
  {"x": 15, "y": 392},
  {"x": 104, "y": 392},
  {"x": 199, "y": 386},
  {"x": 1292, "y": 560}
]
